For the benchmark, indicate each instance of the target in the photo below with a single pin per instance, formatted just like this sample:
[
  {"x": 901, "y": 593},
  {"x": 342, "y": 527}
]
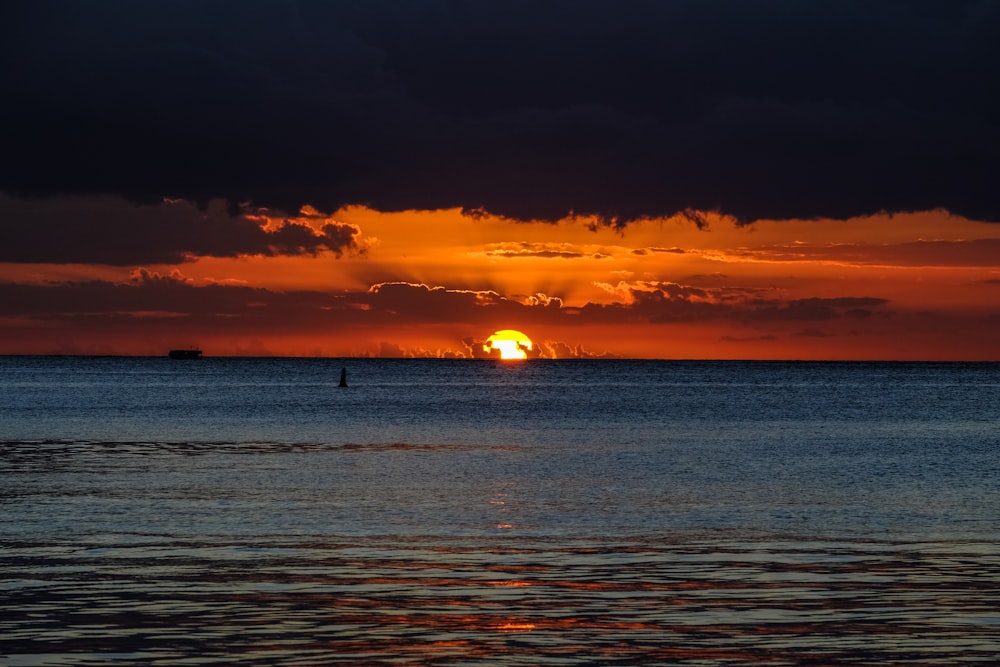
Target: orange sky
[{"x": 437, "y": 283}]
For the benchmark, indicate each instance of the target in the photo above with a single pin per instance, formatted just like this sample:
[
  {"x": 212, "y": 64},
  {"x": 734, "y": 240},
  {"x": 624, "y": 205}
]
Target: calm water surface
[{"x": 248, "y": 511}]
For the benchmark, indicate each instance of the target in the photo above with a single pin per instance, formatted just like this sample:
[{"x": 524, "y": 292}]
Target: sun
[{"x": 510, "y": 343}]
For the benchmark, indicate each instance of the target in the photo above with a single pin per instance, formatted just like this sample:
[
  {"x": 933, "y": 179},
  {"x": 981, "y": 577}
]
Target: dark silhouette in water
[
  {"x": 184, "y": 354},
  {"x": 343, "y": 377}
]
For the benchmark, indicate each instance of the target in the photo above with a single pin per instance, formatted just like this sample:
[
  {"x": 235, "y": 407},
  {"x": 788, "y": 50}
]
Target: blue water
[{"x": 477, "y": 512}]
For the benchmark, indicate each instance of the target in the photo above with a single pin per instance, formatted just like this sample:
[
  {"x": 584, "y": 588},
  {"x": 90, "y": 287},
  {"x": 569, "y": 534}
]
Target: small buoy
[{"x": 343, "y": 377}]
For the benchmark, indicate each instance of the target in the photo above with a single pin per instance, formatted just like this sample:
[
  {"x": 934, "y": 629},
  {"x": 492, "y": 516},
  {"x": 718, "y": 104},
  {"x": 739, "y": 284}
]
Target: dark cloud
[
  {"x": 546, "y": 250},
  {"x": 664, "y": 302},
  {"x": 108, "y": 230},
  {"x": 816, "y": 308},
  {"x": 154, "y": 296},
  {"x": 530, "y": 110},
  {"x": 969, "y": 252},
  {"x": 653, "y": 251}
]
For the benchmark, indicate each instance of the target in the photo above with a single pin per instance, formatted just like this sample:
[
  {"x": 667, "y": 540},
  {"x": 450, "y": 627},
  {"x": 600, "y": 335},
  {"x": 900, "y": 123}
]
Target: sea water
[{"x": 456, "y": 512}]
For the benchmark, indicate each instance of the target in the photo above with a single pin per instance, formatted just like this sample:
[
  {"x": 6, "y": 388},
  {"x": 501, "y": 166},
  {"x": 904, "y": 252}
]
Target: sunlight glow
[{"x": 510, "y": 343}]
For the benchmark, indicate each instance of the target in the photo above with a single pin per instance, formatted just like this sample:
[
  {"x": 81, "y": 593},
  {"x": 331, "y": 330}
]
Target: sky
[{"x": 701, "y": 179}]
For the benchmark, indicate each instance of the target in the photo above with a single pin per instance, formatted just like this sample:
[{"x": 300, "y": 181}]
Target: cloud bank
[
  {"x": 153, "y": 295},
  {"x": 529, "y": 110},
  {"x": 107, "y": 230}
]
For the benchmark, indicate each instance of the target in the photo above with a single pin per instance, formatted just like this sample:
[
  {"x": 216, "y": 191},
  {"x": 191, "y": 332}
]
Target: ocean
[{"x": 455, "y": 512}]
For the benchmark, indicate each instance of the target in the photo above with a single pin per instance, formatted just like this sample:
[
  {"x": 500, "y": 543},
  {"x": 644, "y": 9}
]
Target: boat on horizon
[{"x": 184, "y": 354}]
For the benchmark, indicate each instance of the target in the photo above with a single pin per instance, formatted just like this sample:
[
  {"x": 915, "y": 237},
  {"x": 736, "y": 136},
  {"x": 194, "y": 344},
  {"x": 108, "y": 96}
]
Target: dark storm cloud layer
[
  {"x": 530, "y": 110},
  {"x": 106, "y": 230}
]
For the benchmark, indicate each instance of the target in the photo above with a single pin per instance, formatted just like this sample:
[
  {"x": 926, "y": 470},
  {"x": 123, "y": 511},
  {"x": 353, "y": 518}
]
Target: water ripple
[{"x": 447, "y": 601}]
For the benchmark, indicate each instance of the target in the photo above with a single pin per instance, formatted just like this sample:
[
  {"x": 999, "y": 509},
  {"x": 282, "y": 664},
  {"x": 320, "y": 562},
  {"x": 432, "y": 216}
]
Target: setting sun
[{"x": 510, "y": 343}]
